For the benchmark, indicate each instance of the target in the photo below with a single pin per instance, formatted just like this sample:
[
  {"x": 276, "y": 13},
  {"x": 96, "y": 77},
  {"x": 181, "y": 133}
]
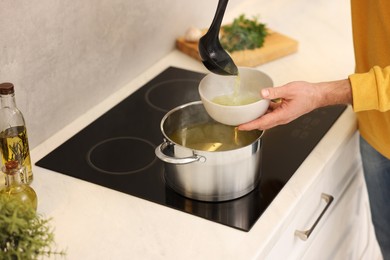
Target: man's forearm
[{"x": 334, "y": 93}]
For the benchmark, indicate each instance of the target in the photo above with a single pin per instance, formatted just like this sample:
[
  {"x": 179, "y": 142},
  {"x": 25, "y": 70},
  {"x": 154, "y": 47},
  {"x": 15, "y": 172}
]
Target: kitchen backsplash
[{"x": 64, "y": 57}]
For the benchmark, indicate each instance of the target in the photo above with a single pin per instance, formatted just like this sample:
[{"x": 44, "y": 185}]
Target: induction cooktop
[{"x": 117, "y": 151}]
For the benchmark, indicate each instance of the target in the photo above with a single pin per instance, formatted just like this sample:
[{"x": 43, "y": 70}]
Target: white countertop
[{"x": 93, "y": 222}]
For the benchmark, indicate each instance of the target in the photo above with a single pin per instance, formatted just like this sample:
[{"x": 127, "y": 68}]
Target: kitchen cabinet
[
  {"x": 346, "y": 232},
  {"x": 333, "y": 213}
]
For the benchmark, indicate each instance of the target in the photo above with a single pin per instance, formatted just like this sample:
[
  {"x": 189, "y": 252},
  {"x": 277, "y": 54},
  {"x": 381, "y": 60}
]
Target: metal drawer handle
[{"x": 304, "y": 235}]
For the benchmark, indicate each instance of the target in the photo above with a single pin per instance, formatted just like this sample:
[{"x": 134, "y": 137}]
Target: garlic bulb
[{"x": 192, "y": 34}]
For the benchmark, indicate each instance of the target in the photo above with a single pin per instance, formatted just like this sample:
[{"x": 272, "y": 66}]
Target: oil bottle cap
[
  {"x": 6, "y": 88},
  {"x": 10, "y": 165}
]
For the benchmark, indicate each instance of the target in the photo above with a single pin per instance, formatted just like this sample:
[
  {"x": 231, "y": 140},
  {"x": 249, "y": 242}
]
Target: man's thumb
[{"x": 268, "y": 93}]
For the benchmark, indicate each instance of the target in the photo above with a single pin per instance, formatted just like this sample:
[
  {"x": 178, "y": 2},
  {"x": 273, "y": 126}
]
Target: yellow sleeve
[{"x": 371, "y": 90}]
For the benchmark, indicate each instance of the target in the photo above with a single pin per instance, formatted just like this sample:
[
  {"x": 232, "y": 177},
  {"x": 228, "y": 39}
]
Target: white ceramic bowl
[{"x": 251, "y": 81}]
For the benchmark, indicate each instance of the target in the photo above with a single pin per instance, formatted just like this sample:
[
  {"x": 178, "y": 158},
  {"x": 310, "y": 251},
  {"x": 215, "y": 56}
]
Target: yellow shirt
[{"x": 371, "y": 82}]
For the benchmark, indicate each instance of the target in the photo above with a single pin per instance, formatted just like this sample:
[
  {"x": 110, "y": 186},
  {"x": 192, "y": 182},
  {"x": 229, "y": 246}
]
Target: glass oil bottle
[
  {"x": 15, "y": 188},
  {"x": 13, "y": 134}
]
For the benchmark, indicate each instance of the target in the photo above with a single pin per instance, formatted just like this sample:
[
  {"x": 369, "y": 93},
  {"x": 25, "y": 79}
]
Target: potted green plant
[{"x": 24, "y": 234}]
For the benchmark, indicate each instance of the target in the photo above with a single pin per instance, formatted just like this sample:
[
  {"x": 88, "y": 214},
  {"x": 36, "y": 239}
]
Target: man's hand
[{"x": 298, "y": 98}]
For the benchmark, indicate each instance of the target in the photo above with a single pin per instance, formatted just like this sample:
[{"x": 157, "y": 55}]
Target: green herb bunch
[
  {"x": 23, "y": 233},
  {"x": 243, "y": 34}
]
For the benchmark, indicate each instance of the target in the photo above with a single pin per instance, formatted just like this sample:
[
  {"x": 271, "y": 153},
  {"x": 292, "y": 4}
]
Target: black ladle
[{"x": 214, "y": 57}]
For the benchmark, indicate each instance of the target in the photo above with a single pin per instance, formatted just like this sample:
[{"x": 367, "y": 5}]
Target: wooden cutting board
[{"x": 276, "y": 45}]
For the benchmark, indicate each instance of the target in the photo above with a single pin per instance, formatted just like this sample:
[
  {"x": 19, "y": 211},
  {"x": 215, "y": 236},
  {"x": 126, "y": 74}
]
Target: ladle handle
[
  {"x": 174, "y": 160},
  {"x": 216, "y": 24}
]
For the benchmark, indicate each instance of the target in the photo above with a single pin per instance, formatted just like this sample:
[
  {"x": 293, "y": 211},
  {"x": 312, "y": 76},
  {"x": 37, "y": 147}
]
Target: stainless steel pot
[{"x": 207, "y": 175}]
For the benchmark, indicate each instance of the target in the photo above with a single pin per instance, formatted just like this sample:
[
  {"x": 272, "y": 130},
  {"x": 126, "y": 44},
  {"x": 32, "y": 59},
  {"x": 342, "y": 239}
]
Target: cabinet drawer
[
  {"x": 333, "y": 180},
  {"x": 338, "y": 237}
]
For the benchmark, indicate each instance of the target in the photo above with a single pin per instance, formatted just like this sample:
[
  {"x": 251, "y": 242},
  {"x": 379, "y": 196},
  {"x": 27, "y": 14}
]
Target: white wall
[{"x": 65, "y": 56}]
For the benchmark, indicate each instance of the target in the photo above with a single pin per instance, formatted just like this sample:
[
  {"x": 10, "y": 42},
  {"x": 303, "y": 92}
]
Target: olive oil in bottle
[
  {"x": 13, "y": 134},
  {"x": 14, "y": 187},
  {"x": 14, "y": 146}
]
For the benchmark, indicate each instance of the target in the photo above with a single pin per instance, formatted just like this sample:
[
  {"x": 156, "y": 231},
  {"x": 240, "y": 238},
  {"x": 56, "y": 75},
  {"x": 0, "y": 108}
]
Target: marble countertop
[{"x": 93, "y": 222}]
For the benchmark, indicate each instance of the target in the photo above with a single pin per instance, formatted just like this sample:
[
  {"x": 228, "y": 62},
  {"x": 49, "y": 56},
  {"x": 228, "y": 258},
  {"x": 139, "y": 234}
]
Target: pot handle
[{"x": 168, "y": 159}]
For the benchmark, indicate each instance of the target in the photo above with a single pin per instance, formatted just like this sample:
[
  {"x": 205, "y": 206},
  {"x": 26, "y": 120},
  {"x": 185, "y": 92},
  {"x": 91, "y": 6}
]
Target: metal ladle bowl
[{"x": 213, "y": 56}]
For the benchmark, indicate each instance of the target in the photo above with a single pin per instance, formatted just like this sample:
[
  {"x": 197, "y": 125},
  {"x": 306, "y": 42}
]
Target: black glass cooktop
[{"x": 117, "y": 151}]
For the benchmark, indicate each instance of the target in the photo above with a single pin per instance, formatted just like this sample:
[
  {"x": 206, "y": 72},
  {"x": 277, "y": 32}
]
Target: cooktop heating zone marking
[
  {"x": 121, "y": 155},
  {"x": 177, "y": 91}
]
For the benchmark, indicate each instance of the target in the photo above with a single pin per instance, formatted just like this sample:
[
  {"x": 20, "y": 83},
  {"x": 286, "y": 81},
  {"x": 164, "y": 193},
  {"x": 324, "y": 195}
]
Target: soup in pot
[{"x": 213, "y": 136}]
